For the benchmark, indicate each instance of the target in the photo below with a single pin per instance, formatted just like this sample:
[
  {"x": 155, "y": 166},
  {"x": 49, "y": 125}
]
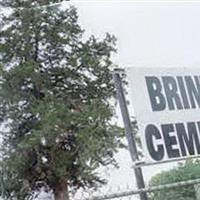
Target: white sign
[{"x": 167, "y": 107}]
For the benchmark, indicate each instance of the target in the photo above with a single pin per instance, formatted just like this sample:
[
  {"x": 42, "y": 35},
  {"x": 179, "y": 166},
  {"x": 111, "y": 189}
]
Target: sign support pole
[
  {"x": 129, "y": 132},
  {"x": 197, "y": 191}
]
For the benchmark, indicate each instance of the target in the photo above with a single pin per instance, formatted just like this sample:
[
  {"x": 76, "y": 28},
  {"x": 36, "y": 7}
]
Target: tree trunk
[{"x": 61, "y": 192}]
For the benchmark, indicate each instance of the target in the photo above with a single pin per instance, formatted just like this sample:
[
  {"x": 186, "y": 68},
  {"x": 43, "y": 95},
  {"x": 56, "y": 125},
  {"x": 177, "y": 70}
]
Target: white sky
[{"x": 150, "y": 34}]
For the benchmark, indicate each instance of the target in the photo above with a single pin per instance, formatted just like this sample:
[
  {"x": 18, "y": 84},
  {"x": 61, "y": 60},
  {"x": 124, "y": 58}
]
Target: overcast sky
[{"x": 149, "y": 34}]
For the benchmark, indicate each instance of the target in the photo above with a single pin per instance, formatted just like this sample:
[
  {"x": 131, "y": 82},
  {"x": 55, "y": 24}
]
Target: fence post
[
  {"x": 197, "y": 191},
  {"x": 129, "y": 133}
]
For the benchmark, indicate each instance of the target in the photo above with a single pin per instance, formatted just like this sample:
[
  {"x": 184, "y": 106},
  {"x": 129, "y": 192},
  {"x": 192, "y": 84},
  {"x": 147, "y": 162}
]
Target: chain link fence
[{"x": 184, "y": 190}]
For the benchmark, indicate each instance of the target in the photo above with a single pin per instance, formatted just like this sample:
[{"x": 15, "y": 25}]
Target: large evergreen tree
[{"x": 55, "y": 91}]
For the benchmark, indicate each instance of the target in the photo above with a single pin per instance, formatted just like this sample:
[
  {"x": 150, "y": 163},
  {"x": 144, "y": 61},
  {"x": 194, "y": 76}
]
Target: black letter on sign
[
  {"x": 187, "y": 140},
  {"x": 171, "y": 93},
  {"x": 183, "y": 92},
  {"x": 193, "y": 90},
  {"x": 154, "y": 88},
  {"x": 170, "y": 140},
  {"x": 157, "y": 153}
]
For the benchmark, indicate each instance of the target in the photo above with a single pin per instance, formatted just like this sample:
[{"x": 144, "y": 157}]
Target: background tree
[
  {"x": 55, "y": 91},
  {"x": 184, "y": 172}
]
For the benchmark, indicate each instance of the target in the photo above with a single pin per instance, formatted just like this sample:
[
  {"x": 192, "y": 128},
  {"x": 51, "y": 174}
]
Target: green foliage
[
  {"x": 27, "y": 3},
  {"x": 55, "y": 91},
  {"x": 184, "y": 172}
]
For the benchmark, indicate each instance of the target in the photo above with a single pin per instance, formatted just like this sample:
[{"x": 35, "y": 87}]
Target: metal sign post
[
  {"x": 129, "y": 132},
  {"x": 197, "y": 190}
]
